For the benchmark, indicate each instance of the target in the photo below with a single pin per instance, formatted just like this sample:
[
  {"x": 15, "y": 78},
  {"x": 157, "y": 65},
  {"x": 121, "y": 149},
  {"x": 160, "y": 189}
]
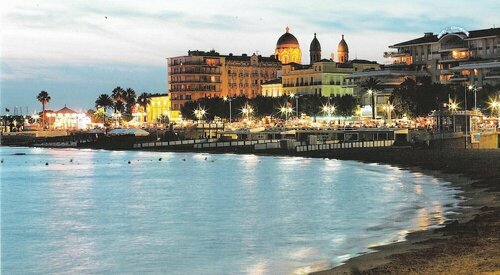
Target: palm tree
[
  {"x": 104, "y": 101},
  {"x": 370, "y": 86},
  {"x": 44, "y": 98},
  {"x": 130, "y": 99},
  {"x": 143, "y": 100},
  {"x": 118, "y": 95}
]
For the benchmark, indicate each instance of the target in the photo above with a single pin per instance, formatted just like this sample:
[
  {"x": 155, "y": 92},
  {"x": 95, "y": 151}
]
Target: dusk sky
[{"x": 71, "y": 50}]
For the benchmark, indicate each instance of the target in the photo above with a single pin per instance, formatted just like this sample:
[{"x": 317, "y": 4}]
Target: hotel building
[
  {"x": 209, "y": 74},
  {"x": 454, "y": 56},
  {"x": 322, "y": 77}
]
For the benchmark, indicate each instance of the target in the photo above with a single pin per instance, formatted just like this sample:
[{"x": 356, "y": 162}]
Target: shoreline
[{"x": 467, "y": 243}]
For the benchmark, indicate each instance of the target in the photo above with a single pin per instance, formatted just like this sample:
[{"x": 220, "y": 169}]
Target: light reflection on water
[{"x": 92, "y": 212}]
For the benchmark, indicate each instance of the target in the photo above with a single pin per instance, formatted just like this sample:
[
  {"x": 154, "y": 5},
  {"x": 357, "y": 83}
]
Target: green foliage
[
  {"x": 267, "y": 106},
  {"x": 419, "y": 99}
]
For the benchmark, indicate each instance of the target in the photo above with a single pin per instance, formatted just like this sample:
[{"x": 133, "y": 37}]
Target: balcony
[
  {"x": 202, "y": 72},
  {"x": 454, "y": 47},
  {"x": 458, "y": 78},
  {"x": 451, "y": 58},
  {"x": 396, "y": 54},
  {"x": 194, "y": 81},
  {"x": 194, "y": 63},
  {"x": 492, "y": 75}
]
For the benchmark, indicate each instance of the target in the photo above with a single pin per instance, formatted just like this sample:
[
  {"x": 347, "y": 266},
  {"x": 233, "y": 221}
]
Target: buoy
[{"x": 46, "y": 163}]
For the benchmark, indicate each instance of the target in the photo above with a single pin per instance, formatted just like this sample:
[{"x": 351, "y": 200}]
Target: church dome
[
  {"x": 315, "y": 45},
  {"x": 342, "y": 46},
  {"x": 287, "y": 40}
]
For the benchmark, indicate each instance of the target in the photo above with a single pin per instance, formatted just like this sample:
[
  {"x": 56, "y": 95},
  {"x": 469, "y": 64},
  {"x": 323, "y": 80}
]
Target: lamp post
[
  {"x": 199, "y": 113},
  {"x": 453, "y": 107},
  {"x": 495, "y": 105},
  {"x": 230, "y": 110},
  {"x": 286, "y": 110},
  {"x": 247, "y": 110},
  {"x": 328, "y": 110},
  {"x": 296, "y": 103},
  {"x": 374, "y": 102}
]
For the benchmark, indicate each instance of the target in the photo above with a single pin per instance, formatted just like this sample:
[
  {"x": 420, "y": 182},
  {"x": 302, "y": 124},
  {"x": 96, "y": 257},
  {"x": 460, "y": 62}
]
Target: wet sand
[{"x": 468, "y": 244}]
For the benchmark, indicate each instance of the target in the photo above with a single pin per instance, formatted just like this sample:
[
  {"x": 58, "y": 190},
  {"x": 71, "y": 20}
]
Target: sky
[{"x": 76, "y": 50}]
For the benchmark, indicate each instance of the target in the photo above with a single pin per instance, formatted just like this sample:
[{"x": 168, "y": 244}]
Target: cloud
[{"x": 46, "y": 41}]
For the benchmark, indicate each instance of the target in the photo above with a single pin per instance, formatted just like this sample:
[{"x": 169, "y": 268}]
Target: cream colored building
[
  {"x": 272, "y": 88},
  {"x": 454, "y": 56},
  {"x": 322, "y": 78}
]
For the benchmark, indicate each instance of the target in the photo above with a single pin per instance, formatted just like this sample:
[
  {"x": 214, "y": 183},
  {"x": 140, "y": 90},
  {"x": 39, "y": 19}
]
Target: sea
[{"x": 70, "y": 211}]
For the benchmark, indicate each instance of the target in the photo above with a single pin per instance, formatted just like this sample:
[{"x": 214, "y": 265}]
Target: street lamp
[
  {"x": 453, "y": 107},
  {"x": 374, "y": 102},
  {"x": 495, "y": 105},
  {"x": 296, "y": 103},
  {"x": 230, "y": 109},
  {"x": 328, "y": 109},
  {"x": 286, "y": 110},
  {"x": 199, "y": 113},
  {"x": 247, "y": 110}
]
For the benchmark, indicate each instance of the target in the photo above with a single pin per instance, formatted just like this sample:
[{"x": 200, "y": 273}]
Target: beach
[{"x": 468, "y": 244}]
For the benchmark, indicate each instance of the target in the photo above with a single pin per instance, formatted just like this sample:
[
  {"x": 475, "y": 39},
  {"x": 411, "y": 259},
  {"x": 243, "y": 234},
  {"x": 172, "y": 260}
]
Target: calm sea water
[{"x": 92, "y": 212}]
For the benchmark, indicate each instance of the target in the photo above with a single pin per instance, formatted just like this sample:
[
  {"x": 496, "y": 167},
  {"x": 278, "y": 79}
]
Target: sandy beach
[{"x": 468, "y": 244}]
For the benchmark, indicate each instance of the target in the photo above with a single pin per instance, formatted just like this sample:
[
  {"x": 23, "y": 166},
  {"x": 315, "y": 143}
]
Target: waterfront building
[
  {"x": 272, "y": 88},
  {"x": 209, "y": 74},
  {"x": 323, "y": 78},
  {"x": 288, "y": 48},
  {"x": 159, "y": 108},
  {"x": 67, "y": 119},
  {"x": 454, "y": 56}
]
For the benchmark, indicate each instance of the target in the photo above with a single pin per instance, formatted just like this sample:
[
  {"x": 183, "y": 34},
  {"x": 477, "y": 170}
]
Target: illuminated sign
[{"x": 452, "y": 29}]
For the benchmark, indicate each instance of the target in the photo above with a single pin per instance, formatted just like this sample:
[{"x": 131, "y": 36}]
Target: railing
[
  {"x": 346, "y": 145},
  {"x": 454, "y": 46},
  {"x": 195, "y": 72}
]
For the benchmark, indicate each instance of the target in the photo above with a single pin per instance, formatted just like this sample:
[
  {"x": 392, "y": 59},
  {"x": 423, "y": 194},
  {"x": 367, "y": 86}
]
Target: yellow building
[
  {"x": 161, "y": 105},
  {"x": 288, "y": 49}
]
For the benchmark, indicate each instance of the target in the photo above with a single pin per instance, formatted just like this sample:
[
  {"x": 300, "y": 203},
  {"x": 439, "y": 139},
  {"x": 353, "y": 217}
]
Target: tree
[
  {"x": 118, "y": 95},
  {"x": 104, "y": 101},
  {"x": 144, "y": 99},
  {"x": 130, "y": 100},
  {"x": 370, "y": 86},
  {"x": 345, "y": 105},
  {"x": 420, "y": 98},
  {"x": 44, "y": 98}
]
